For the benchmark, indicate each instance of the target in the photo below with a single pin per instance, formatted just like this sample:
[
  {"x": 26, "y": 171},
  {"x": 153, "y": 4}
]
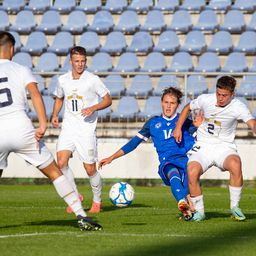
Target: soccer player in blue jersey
[{"x": 172, "y": 155}]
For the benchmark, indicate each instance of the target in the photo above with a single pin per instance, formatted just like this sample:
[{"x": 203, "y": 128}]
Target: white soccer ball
[{"x": 121, "y": 194}]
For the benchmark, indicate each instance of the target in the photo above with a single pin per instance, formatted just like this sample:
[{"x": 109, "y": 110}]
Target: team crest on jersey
[{"x": 158, "y": 125}]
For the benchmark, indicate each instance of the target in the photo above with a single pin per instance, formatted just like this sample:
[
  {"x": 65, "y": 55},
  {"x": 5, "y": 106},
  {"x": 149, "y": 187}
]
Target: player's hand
[
  {"x": 198, "y": 120},
  {"x": 104, "y": 162},
  {"x": 87, "y": 111},
  {"x": 177, "y": 134},
  {"x": 55, "y": 122},
  {"x": 39, "y": 133}
]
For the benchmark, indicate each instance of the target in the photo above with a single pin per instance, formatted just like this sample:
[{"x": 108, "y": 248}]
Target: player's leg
[{"x": 1, "y": 172}]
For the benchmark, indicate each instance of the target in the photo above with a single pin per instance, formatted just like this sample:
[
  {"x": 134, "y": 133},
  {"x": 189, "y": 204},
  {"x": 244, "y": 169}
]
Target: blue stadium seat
[
  {"x": 49, "y": 103},
  {"x": 152, "y": 108},
  {"x": 221, "y": 43},
  {"x": 115, "y": 6},
  {"x": 48, "y": 62},
  {"x": 115, "y": 84},
  {"x": 193, "y": 5},
  {"x": 36, "y": 43},
  {"x": 63, "y": 6},
  {"x": 18, "y": 43},
  {"x": 141, "y": 86},
  {"x": 128, "y": 22},
  {"x": 181, "y": 22},
  {"x": 140, "y": 5},
  {"x": 246, "y": 43},
  {"x": 236, "y": 62},
  {"x": 181, "y": 62},
  {"x": 165, "y": 81},
  {"x": 247, "y": 87},
  {"x": 38, "y": 6},
  {"x": 219, "y": 5},
  {"x": 50, "y": 22},
  {"x": 154, "y": 22},
  {"x": 253, "y": 67},
  {"x": 50, "y": 90},
  {"x": 208, "y": 62},
  {"x": 104, "y": 114},
  {"x": 102, "y": 22},
  {"x": 12, "y": 6},
  {"x": 207, "y": 21},
  {"x": 23, "y": 58},
  {"x": 166, "y": 5},
  {"x": 196, "y": 85},
  {"x": 248, "y": 5},
  {"x": 90, "y": 41},
  {"x": 62, "y": 43},
  {"x": 66, "y": 65},
  {"x": 76, "y": 23},
  {"x": 24, "y": 23},
  {"x": 115, "y": 43},
  {"x": 128, "y": 62},
  {"x": 252, "y": 23},
  {"x": 168, "y": 42},
  {"x": 101, "y": 62},
  {"x": 4, "y": 21},
  {"x": 126, "y": 109},
  {"x": 89, "y": 6},
  {"x": 141, "y": 42},
  {"x": 194, "y": 42},
  {"x": 155, "y": 62},
  {"x": 233, "y": 22},
  {"x": 40, "y": 82}
]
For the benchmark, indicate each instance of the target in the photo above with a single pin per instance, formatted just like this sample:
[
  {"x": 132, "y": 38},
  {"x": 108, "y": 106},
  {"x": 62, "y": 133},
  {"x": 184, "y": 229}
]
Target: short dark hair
[
  {"x": 6, "y": 38},
  {"x": 173, "y": 91},
  {"x": 226, "y": 82},
  {"x": 77, "y": 50}
]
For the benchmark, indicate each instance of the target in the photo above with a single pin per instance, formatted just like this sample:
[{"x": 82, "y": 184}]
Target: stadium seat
[
  {"x": 66, "y": 65},
  {"x": 18, "y": 43},
  {"x": 253, "y": 67},
  {"x": 247, "y": 87},
  {"x": 128, "y": 62},
  {"x": 155, "y": 62},
  {"x": 192, "y": 5},
  {"x": 141, "y": 42},
  {"x": 63, "y": 6},
  {"x": 221, "y": 43},
  {"x": 181, "y": 22},
  {"x": 208, "y": 62},
  {"x": 4, "y": 21},
  {"x": 207, "y": 22},
  {"x": 49, "y": 103},
  {"x": 152, "y": 108},
  {"x": 50, "y": 90},
  {"x": 128, "y": 22},
  {"x": 166, "y": 5},
  {"x": 24, "y": 23},
  {"x": 236, "y": 62},
  {"x": 12, "y": 6},
  {"x": 219, "y": 5},
  {"x": 115, "y": 6},
  {"x": 248, "y": 5},
  {"x": 76, "y": 23},
  {"x": 102, "y": 22},
  {"x": 181, "y": 62},
  {"x": 115, "y": 43},
  {"x": 141, "y": 86},
  {"x": 165, "y": 81},
  {"x": 246, "y": 43},
  {"x": 89, "y": 6},
  {"x": 154, "y": 22},
  {"x": 194, "y": 42},
  {"x": 36, "y": 43},
  {"x": 48, "y": 62},
  {"x": 23, "y": 58},
  {"x": 233, "y": 22},
  {"x": 115, "y": 84},
  {"x": 196, "y": 85},
  {"x": 252, "y": 23},
  {"x": 168, "y": 42},
  {"x": 126, "y": 109},
  {"x": 50, "y": 22},
  {"x": 104, "y": 114},
  {"x": 140, "y": 5},
  {"x": 62, "y": 43},
  {"x": 101, "y": 62},
  {"x": 90, "y": 41},
  {"x": 40, "y": 82},
  {"x": 38, "y": 6}
]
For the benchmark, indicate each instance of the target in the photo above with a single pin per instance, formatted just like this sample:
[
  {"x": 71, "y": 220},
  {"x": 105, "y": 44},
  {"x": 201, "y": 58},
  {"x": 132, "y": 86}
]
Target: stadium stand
[
  {"x": 252, "y": 24},
  {"x": 247, "y": 87},
  {"x": 181, "y": 21},
  {"x": 66, "y": 66},
  {"x": 12, "y": 6},
  {"x": 38, "y": 6},
  {"x": 4, "y": 21},
  {"x": 154, "y": 22},
  {"x": 23, "y": 58},
  {"x": 196, "y": 85},
  {"x": 116, "y": 85},
  {"x": 141, "y": 86},
  {"x": 152, "y": 108},
  {"x": 140, "y": 5},
  {"x": 115, "y": 6},
  {"x": 141, "y": 42},
  {"x": 128, "y": 62},
  {"x": 90, "y": 41},
  {"x": 128, "y": 22},
  {"x": 207, "y": 21},
  {"x": 192, "y": 5},
  {"x": 246, "y": 43},
  {"x": 208, "y": 62},
  {"x": 50, "y": 89},
  {"x": 221, "y": 43},
  {"x": 219, "y": 5},
  {"x": 18, "y": 43},
  {"x": 164, "y": 82},
  {"x": 166, "y": 5},
  {"x": 101, "y": 62},
  {"x": 63, "y": 6},
  {"x": 48, "y": 62},
  {"x": 248, "y": 5},
  {"x": 155, "y": 62},
  {"x": 181, "y": 62},
  {"x": 236, "y": 62},
  {"x": 89, "y": 6}
]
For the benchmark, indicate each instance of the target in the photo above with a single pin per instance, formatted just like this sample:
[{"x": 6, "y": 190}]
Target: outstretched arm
[
  {"x": 109, "y": 159},
  {"x": 252, "y": 124}
]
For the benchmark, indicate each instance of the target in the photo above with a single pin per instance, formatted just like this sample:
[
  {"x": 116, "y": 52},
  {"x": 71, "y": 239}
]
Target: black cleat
[{"x": 87, "y": 224}]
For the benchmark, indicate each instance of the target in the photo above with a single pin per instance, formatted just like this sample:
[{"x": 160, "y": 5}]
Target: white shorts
[
  {"x": 85, "y": 146},
  {"x": 211, "y": 154}
]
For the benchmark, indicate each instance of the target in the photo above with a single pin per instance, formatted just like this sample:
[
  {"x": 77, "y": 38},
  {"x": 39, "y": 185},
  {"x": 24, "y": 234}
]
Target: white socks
[
  {"x": 70, "y": 177},
  {"x": 65, "y": 191},
  {"x": 96, "y": 185},
  {"x": 198, "y": 203},
  {"x": 235, "y": 195}
]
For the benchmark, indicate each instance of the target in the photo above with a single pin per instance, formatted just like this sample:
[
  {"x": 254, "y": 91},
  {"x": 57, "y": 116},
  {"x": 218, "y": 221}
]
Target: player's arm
[
  {"x": 38, "y": 104},
  {"x": 56, "y": 109},
  {"x": 252, "y": 125},
  {"x": 177, "y": 133}
]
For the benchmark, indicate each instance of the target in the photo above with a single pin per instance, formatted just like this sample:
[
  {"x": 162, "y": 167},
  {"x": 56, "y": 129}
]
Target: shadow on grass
[{"x": 115, "y": 208}]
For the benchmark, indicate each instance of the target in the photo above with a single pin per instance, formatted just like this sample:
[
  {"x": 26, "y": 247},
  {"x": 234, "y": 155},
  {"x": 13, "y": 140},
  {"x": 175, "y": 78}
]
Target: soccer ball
[{"x": 121, "y": 194}]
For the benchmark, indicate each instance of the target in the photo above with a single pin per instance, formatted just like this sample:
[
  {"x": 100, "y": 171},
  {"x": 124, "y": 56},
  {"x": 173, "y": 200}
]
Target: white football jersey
[
  {"x": 219, "y": 123},
  {"x": 78, "y": 94},
  {"x": 13, "y": 81}
]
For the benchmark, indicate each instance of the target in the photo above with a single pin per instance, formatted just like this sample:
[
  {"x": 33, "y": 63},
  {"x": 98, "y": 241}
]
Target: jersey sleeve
[
  {"x": 58, "y": 92},
  {"x": 243, "y": 113},
  {"x": 28, "y": 76},
  {"x": 197, "y": 103},
  {"x": 100, "y": 87}
]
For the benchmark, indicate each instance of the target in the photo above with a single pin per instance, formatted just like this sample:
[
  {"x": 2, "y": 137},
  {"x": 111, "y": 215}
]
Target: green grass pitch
[{"x": 33, "y": 222}]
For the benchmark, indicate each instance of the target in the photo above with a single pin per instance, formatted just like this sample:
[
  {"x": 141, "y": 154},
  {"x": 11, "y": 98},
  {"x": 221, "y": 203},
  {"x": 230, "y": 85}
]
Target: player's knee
[
  {"x": 233, "y": 165},
  {"x": 90, "y": 169},
  {"x": 62, "y": 163}
]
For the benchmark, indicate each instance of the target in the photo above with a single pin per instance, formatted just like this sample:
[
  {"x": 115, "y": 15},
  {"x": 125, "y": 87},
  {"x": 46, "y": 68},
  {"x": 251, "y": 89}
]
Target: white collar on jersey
[{"x": 169, "y": 118}]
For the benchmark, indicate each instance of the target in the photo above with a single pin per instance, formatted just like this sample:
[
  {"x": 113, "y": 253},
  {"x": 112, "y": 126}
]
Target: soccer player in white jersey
[
  {"x": 80, "y": 90},
  {"x": 17, "y": 133},
  {"x": 215, "y": 142}
]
